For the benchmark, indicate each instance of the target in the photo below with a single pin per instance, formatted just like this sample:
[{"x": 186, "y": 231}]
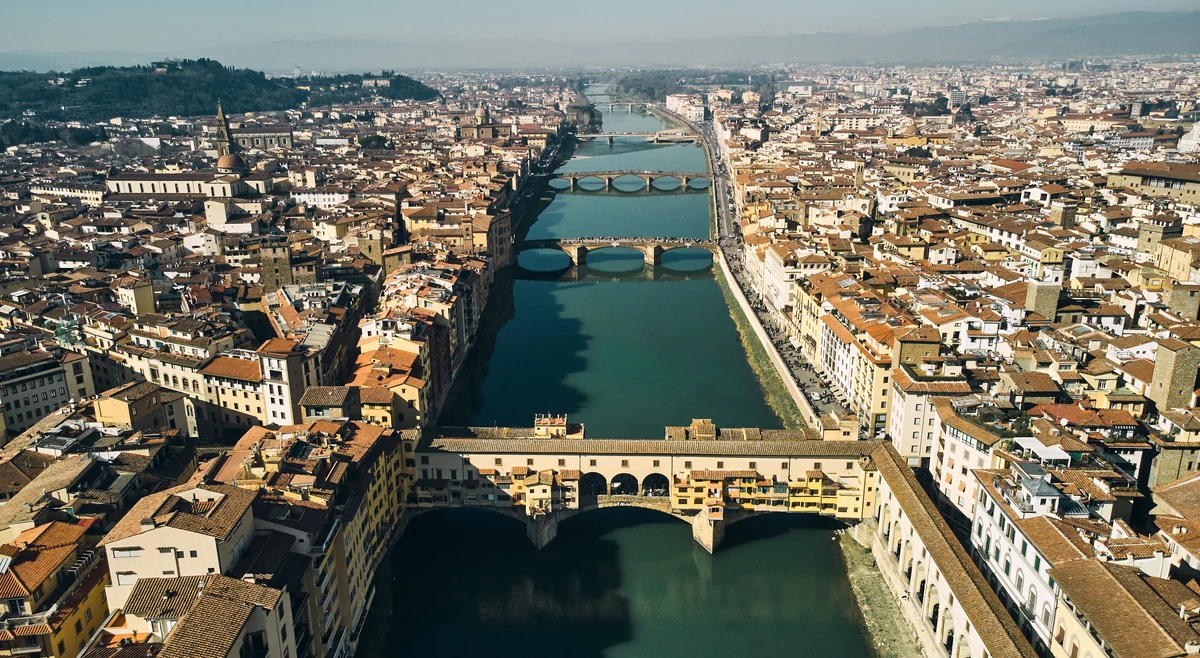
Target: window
[
  {"x": 685, "y": 464},
  {"x": 562, "y": 462},
  {"x": 624, "y": 463},
  {"x": 720, "y": 464},
  {"x": 126, "y": 552},
  {"x": 783, "y": 465},
  {"x": 529, "y": 461},
  {"x": 192, "y": 554},
  {"x": 126, "y": 577},
  {"x": 499, "y": 462},
  {"x": 655, "y": 463}
]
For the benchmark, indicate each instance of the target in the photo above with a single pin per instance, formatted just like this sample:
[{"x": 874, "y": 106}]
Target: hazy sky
[{"x": 158, "y": 25}]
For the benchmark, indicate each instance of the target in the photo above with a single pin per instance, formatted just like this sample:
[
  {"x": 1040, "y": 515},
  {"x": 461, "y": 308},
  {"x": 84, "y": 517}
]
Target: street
[{"x": 813, "y": 384}]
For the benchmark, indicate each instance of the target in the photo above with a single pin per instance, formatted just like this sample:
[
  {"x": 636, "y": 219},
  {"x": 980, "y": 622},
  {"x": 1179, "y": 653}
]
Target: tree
[
  {"x": 373, "y": 141},
  {"x": 919, "y": 152}
]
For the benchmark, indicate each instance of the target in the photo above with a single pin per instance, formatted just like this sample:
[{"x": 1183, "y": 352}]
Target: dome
[{"x": 230, "y": 162}]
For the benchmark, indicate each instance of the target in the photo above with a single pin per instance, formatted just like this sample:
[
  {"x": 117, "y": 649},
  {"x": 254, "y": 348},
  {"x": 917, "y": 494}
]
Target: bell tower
[{"x": 225, "y": 146}]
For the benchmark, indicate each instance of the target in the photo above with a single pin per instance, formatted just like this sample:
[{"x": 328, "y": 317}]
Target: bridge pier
[
  {"x": 649, "y": 182},
  {"x": 578, "y": 255},
  {"x": 541, "y": 531},
  {"x": 708, "y": 533},
  {"x": 652, "y": 254}
]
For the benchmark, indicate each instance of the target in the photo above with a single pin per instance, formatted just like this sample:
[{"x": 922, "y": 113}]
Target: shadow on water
[
  {"x": 470, "y": 583},
  {"x": 767, "y": 526},
  {"x": 538, "y": 352}
]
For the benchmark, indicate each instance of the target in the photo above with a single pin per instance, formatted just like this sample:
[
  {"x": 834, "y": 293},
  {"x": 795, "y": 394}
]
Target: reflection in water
[
  {"x": 603, "y": 264},
  {"x": 627, "y": 359},
  {"x": 617, "y": 582},
  {"x": 544, "y": 260}
]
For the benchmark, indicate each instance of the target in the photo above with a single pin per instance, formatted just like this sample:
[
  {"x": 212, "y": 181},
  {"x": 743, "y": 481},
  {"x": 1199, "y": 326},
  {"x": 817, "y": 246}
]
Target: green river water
[{"x": 625, "y": 351}]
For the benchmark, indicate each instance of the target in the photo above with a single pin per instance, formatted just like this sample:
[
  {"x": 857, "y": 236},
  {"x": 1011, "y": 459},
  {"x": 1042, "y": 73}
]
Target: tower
[
  {"x": 1062, "y": 213},
  {"x": 276, "y": 261},
  {"x": 225, "y": 145},
  {"x": 1041, "y": 297},
  {"x": 1175, "y": 364},
  {"x": 914, "y": 345}
]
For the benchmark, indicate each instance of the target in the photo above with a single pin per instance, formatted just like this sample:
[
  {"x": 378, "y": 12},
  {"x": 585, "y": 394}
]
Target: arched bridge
[
  {"x": 649, "y": 176},
  {"x": 667, "y": 136},
  {"x": 706, "y": 482},
  {"x": 651, "y": 248}
]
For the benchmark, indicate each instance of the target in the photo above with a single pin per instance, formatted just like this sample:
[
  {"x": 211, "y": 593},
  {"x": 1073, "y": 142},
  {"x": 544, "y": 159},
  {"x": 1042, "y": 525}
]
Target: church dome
[{"x": 230, "y": 162}]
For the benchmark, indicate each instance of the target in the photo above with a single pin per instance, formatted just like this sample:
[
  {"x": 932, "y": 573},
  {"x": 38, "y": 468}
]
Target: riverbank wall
[
  {"x": 782, "y": 378},
  {"x": 891, "y": 634}
]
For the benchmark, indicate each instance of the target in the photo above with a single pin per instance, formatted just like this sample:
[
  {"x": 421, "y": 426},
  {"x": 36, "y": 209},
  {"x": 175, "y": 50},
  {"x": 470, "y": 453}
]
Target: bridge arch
[
  {"x": 615, "y": 259},
  {"x": 593, "y": 484},
  {"x": 656, "y": 485},
  {"x": 623, "y": 484},
  {"x": 544, "y": 260},
  {"x": 686, "y": 258},
  {"x": 668, "y": 182}
]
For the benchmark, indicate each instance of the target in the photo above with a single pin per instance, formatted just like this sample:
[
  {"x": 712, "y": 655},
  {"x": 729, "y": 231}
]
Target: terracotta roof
[
  {"x": 1132, "y": 616},
  {"x": 215, "y": 519},
  {"x": 36, "y": 554},
  {"x": 1056, "y": 541},
  {"x": 214, "y": 623},
  {"x": 987, "y": 614},
  {"x": 233, "y": 368},
  {"x": 164, "y": 598}
]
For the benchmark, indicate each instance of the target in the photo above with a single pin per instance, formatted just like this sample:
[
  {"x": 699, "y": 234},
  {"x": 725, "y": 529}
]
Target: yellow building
[{"x": 53, "y": 593}]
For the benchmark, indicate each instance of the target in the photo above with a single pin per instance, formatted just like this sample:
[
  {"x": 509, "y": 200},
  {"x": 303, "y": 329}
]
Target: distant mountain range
[{"x": 1132, "y": 33}]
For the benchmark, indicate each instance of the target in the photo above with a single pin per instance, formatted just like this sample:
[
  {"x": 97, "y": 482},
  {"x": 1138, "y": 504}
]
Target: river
[{"x": 625, "y": 351}]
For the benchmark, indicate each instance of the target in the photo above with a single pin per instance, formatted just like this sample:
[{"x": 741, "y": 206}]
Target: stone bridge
[
  {"x": 652, "y": 248},
  {"x": 649, "y": 177},
  {"x": 711, "y": 477},
  {"x": 709, "y": 483},
  {"x": 656, "y": 137},
  {"x": 628, "y": 106}
]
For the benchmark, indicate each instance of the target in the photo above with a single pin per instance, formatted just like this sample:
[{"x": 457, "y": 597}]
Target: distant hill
[
  {"x": 180, "y": 88},
  {"x": 1134, "y": 33}
]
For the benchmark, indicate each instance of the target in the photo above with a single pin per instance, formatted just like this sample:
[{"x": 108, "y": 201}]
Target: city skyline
[{"x": 621, "y": 32}]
